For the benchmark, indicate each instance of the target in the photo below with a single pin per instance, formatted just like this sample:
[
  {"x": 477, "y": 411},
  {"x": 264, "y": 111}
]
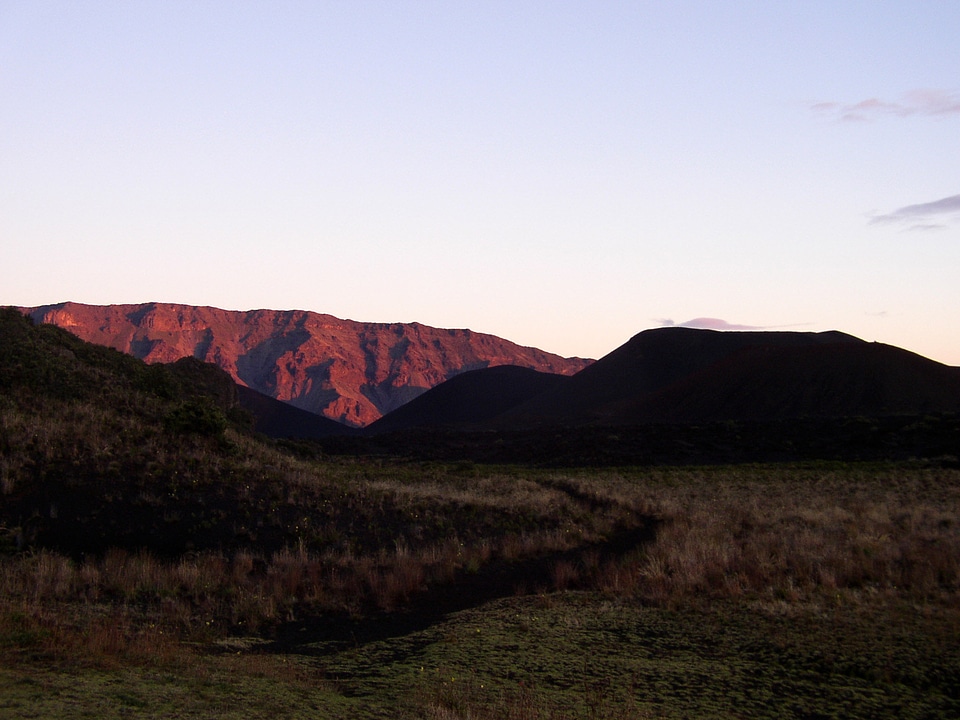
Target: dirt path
[{"x": 328, "y": 635}]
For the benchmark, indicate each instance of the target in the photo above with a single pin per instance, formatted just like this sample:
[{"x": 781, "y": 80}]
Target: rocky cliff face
[{"x": 353, "y": 372}]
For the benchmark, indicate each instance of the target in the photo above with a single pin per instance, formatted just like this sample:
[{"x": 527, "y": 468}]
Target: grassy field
[{"x": 741, "y": 591}]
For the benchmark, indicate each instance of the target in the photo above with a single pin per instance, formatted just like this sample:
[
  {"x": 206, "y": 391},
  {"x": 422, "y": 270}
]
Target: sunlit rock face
[{"x": 353, "y": 372}]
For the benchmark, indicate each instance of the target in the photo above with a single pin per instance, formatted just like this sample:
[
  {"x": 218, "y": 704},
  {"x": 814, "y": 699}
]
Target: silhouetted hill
[
  {"x": 348, "y": 371},
  {"x": 686, "y": 375},
  {"x": 678, "y": 395},
  {"x": 469, "y": 399},
  {"x": 767, "y": 382}
]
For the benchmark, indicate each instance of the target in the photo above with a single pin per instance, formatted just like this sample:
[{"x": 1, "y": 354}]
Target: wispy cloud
[
  {"x": 917, "y": 102},
  {"x": 923, "y": 216},
  {"x": 707, "y": 323}
]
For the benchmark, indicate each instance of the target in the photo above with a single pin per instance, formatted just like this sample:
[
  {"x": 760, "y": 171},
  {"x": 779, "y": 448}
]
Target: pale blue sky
[{"x": 561, "y": 174}]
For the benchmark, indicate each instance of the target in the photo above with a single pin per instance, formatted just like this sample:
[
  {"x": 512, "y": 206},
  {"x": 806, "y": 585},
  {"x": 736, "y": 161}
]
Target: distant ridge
[{"x": 348, "y": 371}]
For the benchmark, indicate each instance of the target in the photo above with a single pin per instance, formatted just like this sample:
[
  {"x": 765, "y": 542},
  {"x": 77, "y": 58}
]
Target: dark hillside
[
  {"x": 99, "y": 450},
  {"x": 92, "y": 439},
  {"x": 650, "y": 361},
  {"x": 469, "y": 399},
  {"x": 817, "y": 381},
  {"x": 697, "y": 376}
]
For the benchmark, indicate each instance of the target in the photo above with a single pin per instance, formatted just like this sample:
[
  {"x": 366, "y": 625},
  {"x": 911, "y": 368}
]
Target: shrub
[{"x": 196, "y": 417}]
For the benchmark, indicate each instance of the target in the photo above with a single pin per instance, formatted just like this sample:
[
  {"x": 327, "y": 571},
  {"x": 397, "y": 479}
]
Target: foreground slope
[
  {"x": 101, "y": 451},
  {"x": 352, "y": 372}
]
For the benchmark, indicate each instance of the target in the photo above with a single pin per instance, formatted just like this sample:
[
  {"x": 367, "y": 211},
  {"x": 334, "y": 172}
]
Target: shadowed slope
[
  {"x": 278, "y": 419},
  {"x": 469, "y": 399},
  {"x": 797, "y": 391},
  {"x": 766, "y": 383}
]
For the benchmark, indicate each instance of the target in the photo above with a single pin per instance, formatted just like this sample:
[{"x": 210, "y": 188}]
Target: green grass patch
[
  {"x": 562, "y": 655},
  {"x": 578, "y": 655}
]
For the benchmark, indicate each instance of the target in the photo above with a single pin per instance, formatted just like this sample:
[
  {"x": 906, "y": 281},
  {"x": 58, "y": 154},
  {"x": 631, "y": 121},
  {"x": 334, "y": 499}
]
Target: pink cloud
[
  {"x": 708, "y": 323},
  {"x": 705, "y": 323},
  {"x": 824, "y": 106},
  {"x": 934, "y": 102},
  {"x": 916, "y": 102}
]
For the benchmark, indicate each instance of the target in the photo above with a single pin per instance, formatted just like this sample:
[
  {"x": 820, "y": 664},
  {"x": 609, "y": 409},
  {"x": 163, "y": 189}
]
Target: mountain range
[
  {"x": 382, "y": 379},
  {"x": 667, "y": 395},
  {"x": 348, "y": 371}
]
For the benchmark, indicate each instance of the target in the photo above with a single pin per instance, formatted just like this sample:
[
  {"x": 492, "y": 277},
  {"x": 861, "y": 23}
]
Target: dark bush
[{"x": 195, "y": 417}]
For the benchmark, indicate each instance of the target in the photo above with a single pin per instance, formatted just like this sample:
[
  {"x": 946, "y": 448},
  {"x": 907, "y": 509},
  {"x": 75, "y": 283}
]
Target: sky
[{"x": 560, "y": 174}]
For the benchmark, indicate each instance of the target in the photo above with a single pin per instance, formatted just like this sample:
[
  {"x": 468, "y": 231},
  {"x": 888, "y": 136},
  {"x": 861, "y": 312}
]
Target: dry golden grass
[
  {"x": 776, "y": 537},
  {"x": 795, "y": 534}
]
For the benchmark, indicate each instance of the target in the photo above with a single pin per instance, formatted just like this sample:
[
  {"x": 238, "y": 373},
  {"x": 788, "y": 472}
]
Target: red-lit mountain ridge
[{"x": 349, "y": 371}]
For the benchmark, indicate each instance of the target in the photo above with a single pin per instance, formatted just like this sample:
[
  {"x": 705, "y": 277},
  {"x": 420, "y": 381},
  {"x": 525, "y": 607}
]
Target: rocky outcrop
[{"x": 352, "y": 372}]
